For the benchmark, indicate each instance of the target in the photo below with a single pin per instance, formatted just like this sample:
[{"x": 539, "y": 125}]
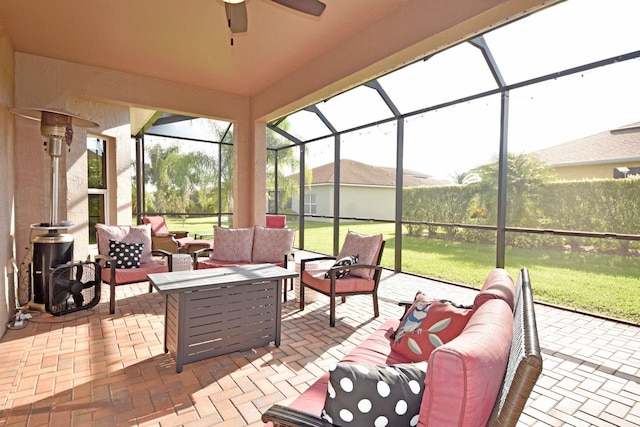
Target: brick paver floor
[{"x": 93, "y": 368}]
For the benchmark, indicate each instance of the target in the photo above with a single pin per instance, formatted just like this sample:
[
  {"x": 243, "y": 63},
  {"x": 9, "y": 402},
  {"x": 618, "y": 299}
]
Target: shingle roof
[
  {"x": 356, "y": 173},
  {"x": 604, "y": 147}
]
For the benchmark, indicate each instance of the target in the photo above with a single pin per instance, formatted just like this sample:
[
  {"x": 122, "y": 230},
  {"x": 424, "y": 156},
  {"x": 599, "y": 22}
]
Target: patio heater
[{"x": 53, "y": 248}]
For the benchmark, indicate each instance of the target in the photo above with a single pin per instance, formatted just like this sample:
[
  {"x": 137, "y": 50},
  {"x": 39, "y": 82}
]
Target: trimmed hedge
[{"x": 601, "y": 206}]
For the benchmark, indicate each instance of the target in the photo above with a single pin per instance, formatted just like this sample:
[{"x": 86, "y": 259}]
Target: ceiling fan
[{"x": 237, "y": 11}]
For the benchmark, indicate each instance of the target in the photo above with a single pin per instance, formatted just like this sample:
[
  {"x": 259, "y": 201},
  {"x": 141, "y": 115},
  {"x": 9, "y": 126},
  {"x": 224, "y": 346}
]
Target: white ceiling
[{"x": 186, "y": 41}]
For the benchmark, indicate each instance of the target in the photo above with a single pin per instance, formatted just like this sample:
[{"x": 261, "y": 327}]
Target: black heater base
[{"x": 49, "y": 251}]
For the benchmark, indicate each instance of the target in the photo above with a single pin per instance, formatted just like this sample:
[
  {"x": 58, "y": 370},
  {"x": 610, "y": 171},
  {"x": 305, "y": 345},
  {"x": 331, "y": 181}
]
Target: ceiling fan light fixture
[{"x": 233, "y": 1}]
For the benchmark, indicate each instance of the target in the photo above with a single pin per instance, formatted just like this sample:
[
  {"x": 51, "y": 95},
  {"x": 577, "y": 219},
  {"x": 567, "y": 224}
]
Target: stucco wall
[
  {"x": 355, "y": 201},
  {"x": 7, "y": 203},
  {"x": 368, "y": 202},
  {"x": 603, "y": 171}
]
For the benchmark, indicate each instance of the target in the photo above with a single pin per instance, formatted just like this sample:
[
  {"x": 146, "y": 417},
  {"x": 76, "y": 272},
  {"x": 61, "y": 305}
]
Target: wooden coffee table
[{"x": 220, "y": 310}]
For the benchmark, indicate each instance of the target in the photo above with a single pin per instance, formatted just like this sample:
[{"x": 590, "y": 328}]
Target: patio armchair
[
  {"x": 172, "y": 241},
  {"x": 120, "y": 270},
  {"x": 356, "y": 271}
]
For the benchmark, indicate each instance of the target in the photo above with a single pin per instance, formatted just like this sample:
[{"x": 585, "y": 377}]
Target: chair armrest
[
  {"x": 406, "y": 305},
  {"x": 282, "y": 416},
  {"x": 319, "y": 258},
  {"x": 198, "y": 253},
  {"x": 180, "y": 234},
  {"x": 289, "y": 256},
  {"x": 165, "y": 242},
  {"x": 103, "y": 259},
  {"x": 161, "y": 252}
]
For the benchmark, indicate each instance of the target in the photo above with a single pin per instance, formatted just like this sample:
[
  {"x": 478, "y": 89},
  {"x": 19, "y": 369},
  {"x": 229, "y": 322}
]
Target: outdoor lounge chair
[
  {"x": 172, "y": 241},
  {"x": 131, "y": 237},
  {"x": 347, "y": 276}
]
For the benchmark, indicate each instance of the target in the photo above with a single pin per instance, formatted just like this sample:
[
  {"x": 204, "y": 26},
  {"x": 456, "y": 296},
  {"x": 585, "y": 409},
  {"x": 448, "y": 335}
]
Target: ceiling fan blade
[
  {"x": 236, "y": 16},
  {"x": 310, "y": 7}
]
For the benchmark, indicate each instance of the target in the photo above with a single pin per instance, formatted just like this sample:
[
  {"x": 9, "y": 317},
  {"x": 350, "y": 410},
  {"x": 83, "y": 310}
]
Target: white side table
[{"x": 180, "y": 262}]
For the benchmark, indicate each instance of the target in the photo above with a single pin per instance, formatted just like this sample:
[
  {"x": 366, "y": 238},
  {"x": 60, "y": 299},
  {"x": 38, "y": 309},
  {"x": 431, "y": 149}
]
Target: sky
[{"x": 459, "y": 138}]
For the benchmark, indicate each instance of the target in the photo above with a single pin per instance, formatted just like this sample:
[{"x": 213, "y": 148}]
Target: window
[
  {"x": 97, "y": 183},
  {"x": 310, "y": 204}
]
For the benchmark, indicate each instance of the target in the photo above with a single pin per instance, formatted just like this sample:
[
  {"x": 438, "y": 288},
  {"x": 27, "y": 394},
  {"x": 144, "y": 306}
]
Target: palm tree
[
  {"x": 526, "y": 175},
  {"x": 464, "y": 178}
]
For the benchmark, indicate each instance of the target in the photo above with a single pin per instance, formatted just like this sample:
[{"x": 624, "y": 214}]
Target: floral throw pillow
[
  {"x": 125, "y": 255},
  {"x": 271, "y": 244},
  {"x": 371, "y": 395},
  {"x": 343, "y": 262},
  {"x": 427, "y": 325},
  {"x": 367, "y": 248},
  {"x": 232, "y": 244}
]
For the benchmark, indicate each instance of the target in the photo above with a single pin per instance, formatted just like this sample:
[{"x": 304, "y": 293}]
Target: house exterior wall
[
  {"x": 597, "y": 171},
  {"x": 8, "y": 274},
  {"x": 368, "y": 202},
  {"x": 355, "y": 201}
]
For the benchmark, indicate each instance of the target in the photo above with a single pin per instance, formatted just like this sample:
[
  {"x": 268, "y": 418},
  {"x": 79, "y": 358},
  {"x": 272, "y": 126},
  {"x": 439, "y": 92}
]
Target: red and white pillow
[{"x": 427, "y": 325}]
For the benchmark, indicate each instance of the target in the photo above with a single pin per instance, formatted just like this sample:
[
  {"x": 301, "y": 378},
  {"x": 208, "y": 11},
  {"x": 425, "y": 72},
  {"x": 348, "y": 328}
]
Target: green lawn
[{"x": 598, "y": 283}]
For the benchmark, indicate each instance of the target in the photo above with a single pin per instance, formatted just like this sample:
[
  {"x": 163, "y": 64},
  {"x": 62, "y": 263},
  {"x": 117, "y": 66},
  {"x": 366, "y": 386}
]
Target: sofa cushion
[
  {"x": 343, "y": 262},
  {"x": 366, "y": 247},
  {"x": 271, "y": 244},
  {"x": 232, "y": 244},
  {"x": 125, "y": 255},
  {"x": 428, "y": 324},
  {"x": 125, "y": 234},
  {"x": 372, "y": 395},
  {"x": 497, "y": 285},
  {"x": 464, "y": 375}
]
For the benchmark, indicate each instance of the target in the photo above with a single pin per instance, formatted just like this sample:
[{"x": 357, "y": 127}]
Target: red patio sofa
[{"x": 481, "y": 377}]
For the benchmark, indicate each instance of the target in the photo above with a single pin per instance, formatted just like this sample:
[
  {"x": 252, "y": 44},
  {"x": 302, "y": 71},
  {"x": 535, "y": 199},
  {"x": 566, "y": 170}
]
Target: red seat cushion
[
  {"x": 315, "y": 279},
  {"x": 134, "y": 275}
]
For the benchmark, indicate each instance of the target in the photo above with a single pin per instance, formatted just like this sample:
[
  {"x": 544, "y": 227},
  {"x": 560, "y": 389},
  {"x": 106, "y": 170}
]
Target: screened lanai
[{"x": 504, "y": 150}]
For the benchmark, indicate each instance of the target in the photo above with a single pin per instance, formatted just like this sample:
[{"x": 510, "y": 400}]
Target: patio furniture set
[{"x": 456, "y": 365}]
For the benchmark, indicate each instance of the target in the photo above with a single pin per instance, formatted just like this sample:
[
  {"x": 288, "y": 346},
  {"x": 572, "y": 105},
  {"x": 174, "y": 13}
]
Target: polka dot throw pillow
[
  {"x": 343, "y": 262},
  {"x": 371, "y": 395},
  {"x": 125, "y": 255}
]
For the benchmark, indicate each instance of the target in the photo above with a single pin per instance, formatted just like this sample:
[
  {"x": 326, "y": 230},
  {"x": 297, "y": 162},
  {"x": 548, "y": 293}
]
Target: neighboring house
[
  {"x": 610, "y": 154},
  {"x": 366, "y": 191}
]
